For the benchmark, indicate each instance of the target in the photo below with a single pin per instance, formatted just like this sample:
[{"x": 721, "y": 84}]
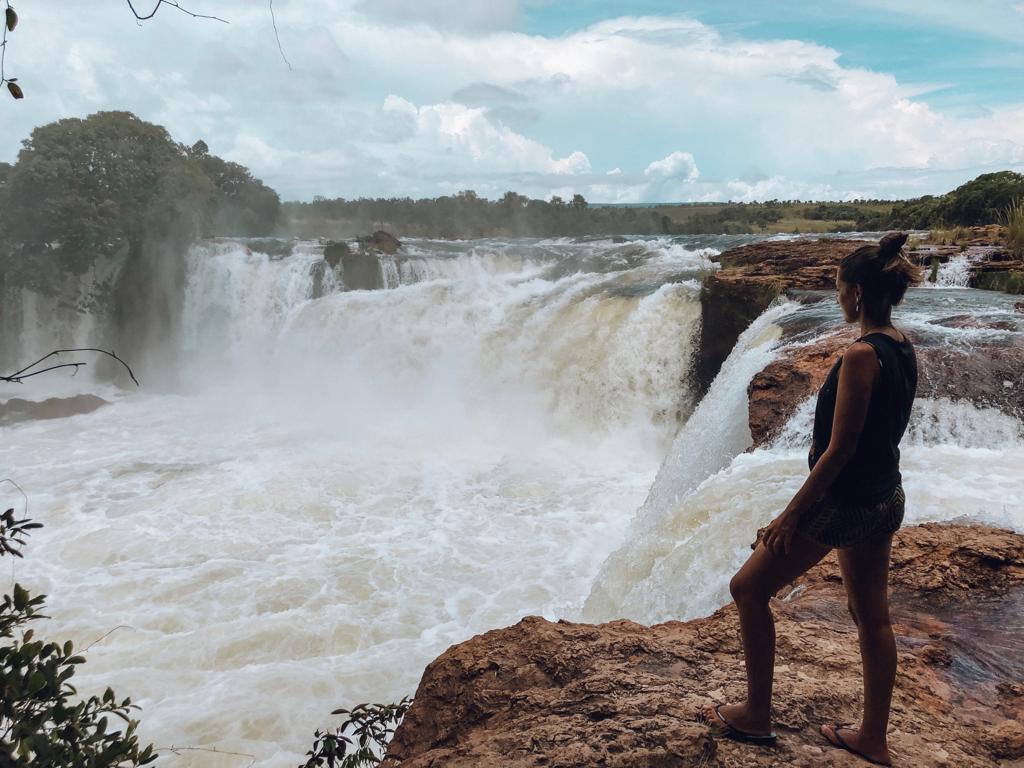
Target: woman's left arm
[{"x": 857, "y": 377}]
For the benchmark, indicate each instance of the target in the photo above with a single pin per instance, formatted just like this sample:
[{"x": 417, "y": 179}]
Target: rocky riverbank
[
  {"x": 752, "y": 276},
  {"x": 620, "y": 694}
]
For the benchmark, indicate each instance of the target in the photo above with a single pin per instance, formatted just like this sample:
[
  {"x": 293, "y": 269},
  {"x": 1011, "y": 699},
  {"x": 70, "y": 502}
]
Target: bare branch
[
  {"x": 26, "y": 372},
  {"x": 273, "y": 20},
  {"x": 105, "y": 636},
  {"x": 212, "y": 750},
  {"x": 173, "y": 4}
]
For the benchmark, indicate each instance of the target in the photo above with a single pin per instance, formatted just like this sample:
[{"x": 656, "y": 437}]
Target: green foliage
[
  {"x": 105, "y": 186},
  {"x": 1014, "y": 220},
  {"x": 43, "y": 720},
  {"x": 980, "y": 201},
  {"x": 360, "y": 741},
  {"x": 13, "y": 532},
  {"x": 244, "y": 205}
]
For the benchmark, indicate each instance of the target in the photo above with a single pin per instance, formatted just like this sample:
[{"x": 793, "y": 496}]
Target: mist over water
[
  {"x": 328, "y": 492},
  {"x": 335, "y": 490}
]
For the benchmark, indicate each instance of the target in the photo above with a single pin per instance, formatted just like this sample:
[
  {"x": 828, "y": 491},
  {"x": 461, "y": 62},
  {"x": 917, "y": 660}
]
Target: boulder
[
  {"x": 623, "y": 695},
  {"x": 17, "y": 409},
  {"x": 381, "y": 241},
  {"x": 334, "y": 252},
  {"x": 360, "y": 271}
]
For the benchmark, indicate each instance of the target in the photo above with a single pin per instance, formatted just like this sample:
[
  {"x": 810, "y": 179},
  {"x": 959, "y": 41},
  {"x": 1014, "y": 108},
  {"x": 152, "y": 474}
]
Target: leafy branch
[
  {"x": 360, "y": 741},
  {"x": 27, "y": 372}
]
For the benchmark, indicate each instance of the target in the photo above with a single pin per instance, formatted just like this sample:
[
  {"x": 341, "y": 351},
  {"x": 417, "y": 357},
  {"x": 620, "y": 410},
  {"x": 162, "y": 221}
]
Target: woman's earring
[{"x": 856, "y": 308}]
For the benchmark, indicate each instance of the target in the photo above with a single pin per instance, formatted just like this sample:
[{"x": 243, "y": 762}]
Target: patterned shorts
[{"x": 837, "y": 524}]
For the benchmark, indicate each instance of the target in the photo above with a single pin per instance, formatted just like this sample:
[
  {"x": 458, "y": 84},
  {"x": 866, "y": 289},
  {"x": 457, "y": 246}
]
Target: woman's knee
[{"x": 745, "y": 591}]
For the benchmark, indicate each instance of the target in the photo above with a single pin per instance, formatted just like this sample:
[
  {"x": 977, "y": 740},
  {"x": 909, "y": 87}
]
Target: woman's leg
[
  {"x": 752, "y": 587},
  {"x": 865, "y": 571}
]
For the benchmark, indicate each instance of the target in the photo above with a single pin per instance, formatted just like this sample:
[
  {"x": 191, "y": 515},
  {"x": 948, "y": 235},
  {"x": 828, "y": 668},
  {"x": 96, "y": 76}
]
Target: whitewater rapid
[
  {"x": 331, "y": 491},
  {"x": 341, "y": 487}
]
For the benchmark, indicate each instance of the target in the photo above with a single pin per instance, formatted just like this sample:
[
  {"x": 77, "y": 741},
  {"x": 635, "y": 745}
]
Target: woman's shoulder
[{"x": 860, "y": 356}]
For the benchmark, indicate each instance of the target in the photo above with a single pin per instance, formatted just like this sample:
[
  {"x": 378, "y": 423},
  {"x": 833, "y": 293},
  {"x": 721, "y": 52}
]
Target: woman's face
[{"x": 848, "y": 295}]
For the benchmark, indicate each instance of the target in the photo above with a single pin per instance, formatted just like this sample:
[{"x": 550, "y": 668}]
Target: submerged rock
[
  {"x": 17, "y": 409},
  {"x": 624, "y": 695}
]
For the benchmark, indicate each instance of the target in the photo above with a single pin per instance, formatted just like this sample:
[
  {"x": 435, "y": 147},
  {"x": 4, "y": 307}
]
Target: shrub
[
  {"x": 43, "y": 720},
  {"x": 360, "y": 741},
  {"x": 1014, "y": 219}
]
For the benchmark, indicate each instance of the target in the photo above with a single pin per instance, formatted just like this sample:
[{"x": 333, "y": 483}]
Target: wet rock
[
  {"x": 1019, "y": 307},
  {"x": 276, "y": 248},
  {"x": 334, "y": 252},
  {"x": 970, "y": 321},
  {"x": 751, "y": 277},
  {"x": 381, "y": 241},
  {"x": 621, "y": 694},
  {"x": 360, "y": 271},
  {"x": 985, "y": 374},
  {"x": 17, "y": 409}
]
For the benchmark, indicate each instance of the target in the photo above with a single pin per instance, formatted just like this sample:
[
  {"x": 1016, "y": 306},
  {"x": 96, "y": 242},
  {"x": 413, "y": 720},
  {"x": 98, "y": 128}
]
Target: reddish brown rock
[
  {"x": 970, "y": 321},
  {"x": 621, "y": 694},
  {"x": 750, "y": 278},
  {"x": 986, "y": 374},
  {"x": 787, "y": 264},
  {"x": 17, "y": 409}
]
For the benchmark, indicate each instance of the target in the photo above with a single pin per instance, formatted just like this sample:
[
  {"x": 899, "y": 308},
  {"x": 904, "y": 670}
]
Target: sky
[{"x": 624, "y": 102}]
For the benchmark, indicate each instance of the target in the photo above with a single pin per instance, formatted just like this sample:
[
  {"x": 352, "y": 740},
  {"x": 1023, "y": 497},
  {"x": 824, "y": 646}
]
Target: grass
[
  {"x": 1015, "y": 227},
  {"x": 953, "y": 236}
]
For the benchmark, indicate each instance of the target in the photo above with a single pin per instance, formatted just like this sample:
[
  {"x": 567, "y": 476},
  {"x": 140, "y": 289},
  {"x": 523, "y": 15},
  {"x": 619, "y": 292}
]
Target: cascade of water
[
  {"x": 955, "y": 273},
  {"x": 716, "y": 432}
]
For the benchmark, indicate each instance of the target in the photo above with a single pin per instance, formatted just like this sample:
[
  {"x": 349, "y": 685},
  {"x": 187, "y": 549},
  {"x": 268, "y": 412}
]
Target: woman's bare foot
[
  {"x": 851, "y": 740},
  {"x": 737, "y": 716}
]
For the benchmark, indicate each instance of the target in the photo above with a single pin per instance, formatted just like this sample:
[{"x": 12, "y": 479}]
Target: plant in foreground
[
  {"x": 1015, "y": 226},
  {"x": 360, "y": 741},
  {"x": 43, "y": 720}
]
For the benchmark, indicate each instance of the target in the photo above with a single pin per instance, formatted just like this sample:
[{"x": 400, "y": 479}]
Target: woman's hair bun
[{"x": 890, "y": 245}]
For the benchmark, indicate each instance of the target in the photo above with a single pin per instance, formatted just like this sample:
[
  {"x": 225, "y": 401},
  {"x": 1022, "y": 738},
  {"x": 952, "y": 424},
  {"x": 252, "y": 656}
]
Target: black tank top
[{"x": 874, "y": 469}]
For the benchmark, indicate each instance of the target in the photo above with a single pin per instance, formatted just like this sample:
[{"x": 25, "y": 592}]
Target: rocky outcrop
[
  {"x": 381, "y": 241},
  {"x": 986, "y": 374},
  {"x": 750, "y": 278},
  {"x": 361, "y": 269},
  {"x": 623, "y": 695},
  {"x": 334, "y": 252},
  {"x": 16, "y": 409}
]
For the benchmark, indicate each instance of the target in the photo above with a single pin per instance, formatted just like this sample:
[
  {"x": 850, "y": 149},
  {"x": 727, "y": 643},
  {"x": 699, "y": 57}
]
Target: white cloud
[
  {"x": 678, "y": 165},
  {"x": 446, "y": 14},
  {"x": 495, "y": 110}
]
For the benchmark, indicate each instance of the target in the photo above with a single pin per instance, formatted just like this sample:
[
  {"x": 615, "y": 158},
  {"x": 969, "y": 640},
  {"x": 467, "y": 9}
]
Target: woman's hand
[{"x": 777, "y": 537}]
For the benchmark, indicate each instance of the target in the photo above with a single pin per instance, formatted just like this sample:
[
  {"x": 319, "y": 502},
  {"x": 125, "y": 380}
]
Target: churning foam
[
  {"x": 959, "y": 461},
  {"x": 353, "y": 483}
]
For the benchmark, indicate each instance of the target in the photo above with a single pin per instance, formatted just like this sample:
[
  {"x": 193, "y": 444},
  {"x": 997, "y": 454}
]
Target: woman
[{"x": 852, "y": 501}]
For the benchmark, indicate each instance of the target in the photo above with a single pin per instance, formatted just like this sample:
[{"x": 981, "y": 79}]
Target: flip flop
[
  {"x": 731, "y": 732},
  {"x": 841, "y": 743}
]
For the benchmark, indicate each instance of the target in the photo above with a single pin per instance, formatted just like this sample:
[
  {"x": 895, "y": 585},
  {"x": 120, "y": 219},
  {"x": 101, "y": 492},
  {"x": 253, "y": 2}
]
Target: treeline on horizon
[
  {"x": 114, "y": 186},
  {"x": 984, "y": 200}
]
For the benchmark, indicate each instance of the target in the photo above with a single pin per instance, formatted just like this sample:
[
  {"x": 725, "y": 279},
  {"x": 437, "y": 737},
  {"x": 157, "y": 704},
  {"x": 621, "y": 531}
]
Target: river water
[{"x": 315, "y": 497}]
